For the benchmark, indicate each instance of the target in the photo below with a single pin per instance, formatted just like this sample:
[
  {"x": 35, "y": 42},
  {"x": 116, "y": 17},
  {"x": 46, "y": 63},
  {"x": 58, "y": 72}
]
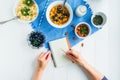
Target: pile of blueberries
[{"x": 36, "y": 39}]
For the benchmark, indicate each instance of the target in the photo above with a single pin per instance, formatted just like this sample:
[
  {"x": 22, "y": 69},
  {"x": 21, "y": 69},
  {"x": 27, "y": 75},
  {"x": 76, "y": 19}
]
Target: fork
[{"x": 14, "y": 18}]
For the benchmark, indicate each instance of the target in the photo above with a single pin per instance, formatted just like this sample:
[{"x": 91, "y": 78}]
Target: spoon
[
  {"x": 14, "y": 18},
  {"x": 64, "y": 3}
]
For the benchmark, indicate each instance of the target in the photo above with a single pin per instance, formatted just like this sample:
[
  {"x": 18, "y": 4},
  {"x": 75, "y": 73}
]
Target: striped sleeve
[{"x": 104, "y": 78}]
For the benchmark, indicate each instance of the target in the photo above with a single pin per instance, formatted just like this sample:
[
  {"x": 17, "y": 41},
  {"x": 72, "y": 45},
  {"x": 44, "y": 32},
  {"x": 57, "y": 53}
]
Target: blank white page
[{"x": 58, "y": 48}]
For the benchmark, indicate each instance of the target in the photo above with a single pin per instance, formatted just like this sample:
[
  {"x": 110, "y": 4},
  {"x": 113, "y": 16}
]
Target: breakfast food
[
  {"x": 98, "y": 20},
  {"x": 59, "y": 15},
  {"x": 82, "y": 45},
  {"x": 82, "y": 30},
  {"x": 26, "y": 10},
  {"x": 36, "y": 39}
]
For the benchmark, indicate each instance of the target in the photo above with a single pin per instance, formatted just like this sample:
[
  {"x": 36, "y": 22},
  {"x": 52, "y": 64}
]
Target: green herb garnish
[
  {"x": 83, "y": 31},
  {"x": 29, "y": 2},
  {"x": 98, "y": 20},
  {"x": 35, "y": 42},
  {"x": 26, "y": 11}
]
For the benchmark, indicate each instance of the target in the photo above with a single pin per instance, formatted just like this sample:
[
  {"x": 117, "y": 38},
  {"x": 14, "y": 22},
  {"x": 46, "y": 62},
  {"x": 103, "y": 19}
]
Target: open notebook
[{"x": 58, "y": 48}]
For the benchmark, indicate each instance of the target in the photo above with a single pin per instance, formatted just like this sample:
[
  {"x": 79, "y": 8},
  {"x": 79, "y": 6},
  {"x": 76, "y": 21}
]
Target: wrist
[
  {"x": 82, "y": 63},
  {"x": 38, "y": 74},
  {"x": 39, "y": 70}
]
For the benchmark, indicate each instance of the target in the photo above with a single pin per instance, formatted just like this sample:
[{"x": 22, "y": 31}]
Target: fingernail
[
  {"x": 48, "y": 51},
  {"x": 47, "y": 56}
]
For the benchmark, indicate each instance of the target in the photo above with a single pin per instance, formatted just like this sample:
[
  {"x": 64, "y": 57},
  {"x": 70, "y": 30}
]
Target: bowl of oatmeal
[{"x": 59, "y": 16}]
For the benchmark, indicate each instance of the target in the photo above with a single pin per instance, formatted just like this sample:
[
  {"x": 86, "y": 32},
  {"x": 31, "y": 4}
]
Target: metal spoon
[
  {"x": 14, "y": 18},
  {"x": 64, "y": 3}
]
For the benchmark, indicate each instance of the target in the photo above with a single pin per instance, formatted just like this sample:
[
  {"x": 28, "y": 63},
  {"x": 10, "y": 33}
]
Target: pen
[
  {"x": 53, "y": 60},
  {"x": 63, "y": 51}
]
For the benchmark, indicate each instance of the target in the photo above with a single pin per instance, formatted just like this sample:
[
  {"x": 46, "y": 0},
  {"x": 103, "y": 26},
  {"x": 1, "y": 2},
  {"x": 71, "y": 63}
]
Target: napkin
[{"x": 51, "y": 33}]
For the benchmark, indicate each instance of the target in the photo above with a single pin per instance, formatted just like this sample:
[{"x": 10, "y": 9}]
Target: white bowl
[
  {"x": 104, "y": 19},
  {"x": 14, "y": 12},
  {"x": 55, "y": 3},
  {"x": 88, "y": 27}
]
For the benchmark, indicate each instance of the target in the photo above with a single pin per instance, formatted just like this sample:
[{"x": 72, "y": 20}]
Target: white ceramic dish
[
  {"x": 55, "y": 3},
  {"x": 81, "y": 10},
  {"x": 104, "y": 19},
  {"x": 88, "y": 27},
  {"x": 14, "y": 12}
]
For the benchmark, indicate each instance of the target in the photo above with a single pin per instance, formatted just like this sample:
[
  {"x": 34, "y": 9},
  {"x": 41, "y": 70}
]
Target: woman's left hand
[{"x": 43, "y": 60}]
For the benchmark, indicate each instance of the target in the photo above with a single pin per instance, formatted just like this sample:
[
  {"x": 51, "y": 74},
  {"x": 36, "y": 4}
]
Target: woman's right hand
[{"x": 75, "y": 57}]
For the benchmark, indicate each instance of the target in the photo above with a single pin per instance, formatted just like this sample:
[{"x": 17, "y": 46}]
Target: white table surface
[{"x": 102, "y": 49}]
